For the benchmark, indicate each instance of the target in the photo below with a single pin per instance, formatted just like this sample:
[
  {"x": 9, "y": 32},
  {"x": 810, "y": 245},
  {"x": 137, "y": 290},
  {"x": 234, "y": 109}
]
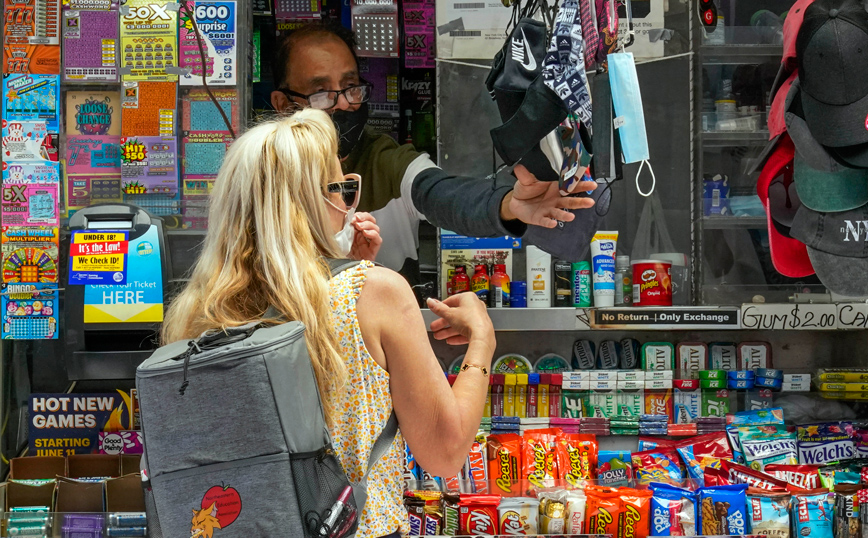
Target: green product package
[
  {"x": 715, "y": 403},
  {"x": 658, "y": 356},
  {"x": 573, "y": 403},
  {"x": 581, "y": 284}
]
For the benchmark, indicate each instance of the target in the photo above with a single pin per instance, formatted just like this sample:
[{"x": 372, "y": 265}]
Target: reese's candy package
[
  {"x": 538, "y": 458},
  {"x": 825, "y": 443},
  {"x": 704, "y": 451},
  {"x": 504, "y": 463},
  {"x": 635, "y": 518},
  {"x": 813, "y": 513},
  {"x": 766, "y": 444},
  {"x": 658, "y": 465},
  {"x": 518, "y": 516},
  {"x": 800, "y": 476},
  {"x": 602, "y": 511},
  {"x": 768, "y": 513},
  {"x": 614, "y": 468},
  {"x": 477, "y": 515},
  {"x": 722, "y": 510},
  {"x": 673, "y": 511},
  {"x": 576, "y": 457},
  {"x": 739, "y": 474}
]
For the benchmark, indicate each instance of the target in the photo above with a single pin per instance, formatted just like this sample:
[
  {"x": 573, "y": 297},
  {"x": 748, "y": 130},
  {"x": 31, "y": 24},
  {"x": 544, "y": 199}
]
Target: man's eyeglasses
[
  {"x": 326, "y": 99},
  {"x": 349, "y": 189}
]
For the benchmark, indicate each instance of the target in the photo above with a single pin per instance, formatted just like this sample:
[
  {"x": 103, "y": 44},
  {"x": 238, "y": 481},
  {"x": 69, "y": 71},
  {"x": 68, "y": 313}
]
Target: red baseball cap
[
  {"x": 777, "y": 123},
  {"x": 789, "y": 67},
  {"x": 777, "y": 191},
  {"x": 792, "y": 23}
]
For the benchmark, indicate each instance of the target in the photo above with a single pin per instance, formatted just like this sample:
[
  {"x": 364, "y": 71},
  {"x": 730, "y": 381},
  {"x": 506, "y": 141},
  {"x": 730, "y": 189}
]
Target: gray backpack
[{"x": 236, "y": 444}]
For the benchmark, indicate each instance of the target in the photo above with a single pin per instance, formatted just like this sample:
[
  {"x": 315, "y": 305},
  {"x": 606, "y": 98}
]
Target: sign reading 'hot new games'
[{"x": 66, "y": 424}]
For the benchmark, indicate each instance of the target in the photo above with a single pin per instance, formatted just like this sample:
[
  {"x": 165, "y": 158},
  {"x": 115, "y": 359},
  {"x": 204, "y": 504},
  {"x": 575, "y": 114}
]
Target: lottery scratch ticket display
[
  {"x": 93, "y": 113},
  {"x": 149, "y": 165},
  {"x": 93, "y": 170},
  {"x": 31, "y": 36},
  {"x": 217, "y": 28},
  {"x": 29, "y": 255},
  {"x": 33, "y": 201},
  {"x": 419, "y": 34},
  {"x": 31, "y": 98},
  {"x": 31, "y": 59},
  {"x": 90, "y": 45},
  {"x": 29, "y": 312},
  {"x": 149, "y": 44},
  {"x": 20, "y": 173},
  {"x": 28, "y": 141},
  {"x": 148, "y": 108}
]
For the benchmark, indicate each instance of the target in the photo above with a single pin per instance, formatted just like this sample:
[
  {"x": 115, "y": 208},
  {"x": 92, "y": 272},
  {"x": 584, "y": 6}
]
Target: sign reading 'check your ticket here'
[{"x": 98, "y": 257}]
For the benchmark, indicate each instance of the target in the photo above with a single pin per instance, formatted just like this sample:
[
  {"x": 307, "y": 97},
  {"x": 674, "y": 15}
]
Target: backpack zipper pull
[{"x": 187, "y": 354}]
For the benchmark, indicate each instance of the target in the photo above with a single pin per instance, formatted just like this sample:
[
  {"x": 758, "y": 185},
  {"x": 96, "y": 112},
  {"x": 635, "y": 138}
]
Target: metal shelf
[
  {"x": 732, "y": 223},
  {"x": 532, "y": 319},
  {"x": 734, "y": 138},
  {"x": 739, "y": 54}
]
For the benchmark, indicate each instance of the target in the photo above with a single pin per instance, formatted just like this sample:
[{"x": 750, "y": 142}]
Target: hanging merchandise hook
[{"x": 631, "y": 32}]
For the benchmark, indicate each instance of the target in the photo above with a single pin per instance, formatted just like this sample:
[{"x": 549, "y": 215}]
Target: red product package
[
  {"x": 538, "y": 461},
  {"x": 801, "y": 476},
  {"x": 716, "y": 477},
  {"x": 699, "y": 453},
  {"x": 576, "y": 457},
  {"x": 602, "y": 510},
  {"x": 476, "y": 467},
  {"x": 740, "y": 474},
  {"x": 658, "y": 465},
  {"x": 504, "y": 463},
  {"x": 477, "y": 515},
  {"x": 649, "y": 443},
  {"x": 635, "y": 519}
]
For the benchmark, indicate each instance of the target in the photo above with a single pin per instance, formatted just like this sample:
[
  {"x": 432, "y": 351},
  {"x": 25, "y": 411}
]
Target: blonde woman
[{"x": 278, "y": 204}]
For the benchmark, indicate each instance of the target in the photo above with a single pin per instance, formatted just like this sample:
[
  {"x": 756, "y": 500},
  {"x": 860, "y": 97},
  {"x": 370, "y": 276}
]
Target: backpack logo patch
[{"x": 221, "y": 506}]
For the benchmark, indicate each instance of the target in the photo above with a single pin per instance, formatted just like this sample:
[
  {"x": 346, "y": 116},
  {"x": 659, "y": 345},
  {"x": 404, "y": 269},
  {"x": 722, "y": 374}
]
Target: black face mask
[{"x": 350, "y": 124}]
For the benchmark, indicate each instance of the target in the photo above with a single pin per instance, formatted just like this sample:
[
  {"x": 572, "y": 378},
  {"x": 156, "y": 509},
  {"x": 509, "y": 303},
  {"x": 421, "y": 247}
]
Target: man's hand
[
  {"x": 540, "y": 202},
  {"x": 367, "y": 240}
]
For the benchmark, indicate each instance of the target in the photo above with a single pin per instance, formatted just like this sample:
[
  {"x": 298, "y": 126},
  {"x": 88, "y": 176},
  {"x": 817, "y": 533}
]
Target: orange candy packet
[
  {"x": 577, "y": 457},
  {"x": 504, "y": 463},
  {"x": 538, "y": 458}
]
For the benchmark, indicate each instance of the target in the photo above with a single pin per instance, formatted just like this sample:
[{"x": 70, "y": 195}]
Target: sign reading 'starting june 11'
[
  {"x": 66, "y": 424},
  {"x": 140, "y": 298},
  {"x": 98, "y": 257}
]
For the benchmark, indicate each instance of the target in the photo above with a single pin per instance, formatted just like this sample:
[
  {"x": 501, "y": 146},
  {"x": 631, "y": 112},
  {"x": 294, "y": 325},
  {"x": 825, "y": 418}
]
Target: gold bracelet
[{"x": 465, "y": 366}]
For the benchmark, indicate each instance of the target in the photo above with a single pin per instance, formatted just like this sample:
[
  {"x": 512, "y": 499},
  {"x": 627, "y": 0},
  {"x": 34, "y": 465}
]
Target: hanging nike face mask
[
  {"x": 629, "y": 114},
  {"x": 350, "y": 125}
]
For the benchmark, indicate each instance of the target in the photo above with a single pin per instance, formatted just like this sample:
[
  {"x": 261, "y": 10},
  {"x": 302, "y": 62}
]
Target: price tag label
[
  {"x": 853, "y": 316},
  {"x": 809, "y": 317}
]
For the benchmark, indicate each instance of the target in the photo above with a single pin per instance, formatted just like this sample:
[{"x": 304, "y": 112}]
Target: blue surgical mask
[{"x": 629, "y": 115}]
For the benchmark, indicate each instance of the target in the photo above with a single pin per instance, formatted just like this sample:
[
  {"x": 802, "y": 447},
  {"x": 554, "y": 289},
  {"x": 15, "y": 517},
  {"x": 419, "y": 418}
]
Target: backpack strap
[{"x": 383, "y": 442}]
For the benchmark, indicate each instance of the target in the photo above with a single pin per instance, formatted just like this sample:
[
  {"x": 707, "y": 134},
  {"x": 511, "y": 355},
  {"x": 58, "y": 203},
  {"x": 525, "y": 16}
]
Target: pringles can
[{"x": 652, "y": 283}]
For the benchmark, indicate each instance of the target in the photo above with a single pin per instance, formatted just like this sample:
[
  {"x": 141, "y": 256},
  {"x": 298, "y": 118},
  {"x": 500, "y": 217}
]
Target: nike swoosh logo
[{"x": 530, "y": 65}]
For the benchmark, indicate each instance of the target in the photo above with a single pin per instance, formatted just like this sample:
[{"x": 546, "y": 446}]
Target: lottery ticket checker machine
[{"x": 112, "y": 326}]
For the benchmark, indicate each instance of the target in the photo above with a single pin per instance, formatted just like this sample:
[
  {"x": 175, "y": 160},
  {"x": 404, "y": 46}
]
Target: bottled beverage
[
  {"x": 460, "y": 282},
  {"x": 479, "y": 284},
  {"x": 499, "y": 295}
]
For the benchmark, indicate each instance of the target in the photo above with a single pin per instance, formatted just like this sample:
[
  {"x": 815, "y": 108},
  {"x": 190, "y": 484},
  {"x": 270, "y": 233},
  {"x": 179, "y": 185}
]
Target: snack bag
[
  {"x": 673, "y": 511},
  {"x": 739, "y": 474},
  {"x": 477, "y": 515},
  {"x": 716, "y": 477},
  {"x": 813, "y": 514},
  {"x": 614, "y": 468},
  {"x": 766, "y": 444},
  {"x": 636, "y": 513},
  {"x": 847, "y": 511},
  {"x": 538, "y": 459},
  {"x": 650, "y": 443},
  {"x": 603, "y": 510},
  {"x": 518, "y": 516},
  {"x": 800, "y": 476},
  {"x": 723, "y": 510},
  {"x": 825, "y": 443},
  {"x": 552, "y": 511},
  {"x": 576, "y": 457},
  {"x": 504, "y": 463},
  {"x": 773, "y": 415},
  {"x": 658, "y": 466},
  {"x": 703, "y": 451},
  {"x": 768, "y": 513},
  {"x": 732, "y": 436},
  {"x": 577, "y": 504}
]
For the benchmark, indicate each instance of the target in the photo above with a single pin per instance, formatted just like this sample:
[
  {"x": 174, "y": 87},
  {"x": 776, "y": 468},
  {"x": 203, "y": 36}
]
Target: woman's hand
[
  {"x": 367, "y": 240},
  {"x": 463, "y": 318}
]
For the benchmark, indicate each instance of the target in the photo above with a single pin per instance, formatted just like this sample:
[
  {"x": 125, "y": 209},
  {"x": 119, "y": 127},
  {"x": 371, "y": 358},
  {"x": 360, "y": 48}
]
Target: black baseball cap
[
  {"x": 837, "y": 246},
  {"x": 832, "y": 52}
]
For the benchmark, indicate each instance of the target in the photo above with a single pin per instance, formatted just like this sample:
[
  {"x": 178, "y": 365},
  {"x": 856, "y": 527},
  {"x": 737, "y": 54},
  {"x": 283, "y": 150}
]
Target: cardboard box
[
  {"x": 125, "y": 494},
  {"x": 73, "y": 496},
  {"x": 658, "y": 384},
  {"x": 37, "y": 468},
  {"x": 796, "y": 387},
  {"x": 604, "y": 375},
  {"x": 576, "y": 375},
  {"x": 797, "y": 378},
  {"x": 631, "y": 375},
  {"x": 604, "y": 385},
  {"x": 631, "y": 385},
  {"x": 658, "y": 375},
  {"x": 130, "y": 464},
  {"x": 93, "y": 466},
  {"x": 24, "y": 495},
  {"x": 577, "y": 385}
]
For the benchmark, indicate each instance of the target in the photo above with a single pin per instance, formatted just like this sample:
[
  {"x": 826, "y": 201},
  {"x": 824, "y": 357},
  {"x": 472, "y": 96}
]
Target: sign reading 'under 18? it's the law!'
[{"x": 98, "y": 258}]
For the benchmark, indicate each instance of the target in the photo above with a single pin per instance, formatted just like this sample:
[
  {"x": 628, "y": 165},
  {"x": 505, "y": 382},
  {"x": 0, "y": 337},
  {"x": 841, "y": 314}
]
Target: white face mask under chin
[{"x": 344, "y": 238}]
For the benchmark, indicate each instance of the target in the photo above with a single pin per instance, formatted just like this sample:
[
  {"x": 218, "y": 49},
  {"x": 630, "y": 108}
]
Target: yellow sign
[
  {"x": 99, "y": 237},
  {"x": 98, "y": 263}
]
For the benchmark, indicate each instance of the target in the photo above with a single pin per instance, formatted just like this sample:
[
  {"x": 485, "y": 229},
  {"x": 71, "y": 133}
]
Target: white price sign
[
  {"x": 809, "y": 317},
  {"x": 853, "y": 316}
]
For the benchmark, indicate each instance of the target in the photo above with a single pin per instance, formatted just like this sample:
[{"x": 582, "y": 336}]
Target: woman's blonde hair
[{"x": 268, "y": 231}]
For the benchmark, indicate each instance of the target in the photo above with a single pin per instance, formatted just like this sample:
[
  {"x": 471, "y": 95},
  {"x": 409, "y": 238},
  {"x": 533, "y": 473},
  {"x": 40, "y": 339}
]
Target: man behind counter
[{"x": 316, "y": 66}]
